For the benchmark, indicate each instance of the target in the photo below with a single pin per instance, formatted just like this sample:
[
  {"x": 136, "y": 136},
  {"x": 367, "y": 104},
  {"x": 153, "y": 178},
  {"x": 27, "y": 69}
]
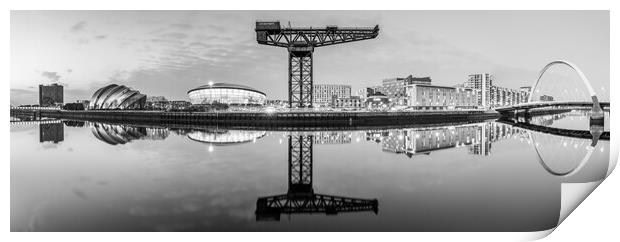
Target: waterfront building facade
[
  {"x": 350, "y": 102},
  {"x": 277, "y": 103},
  {"x": 83, "y": 102},
  {"x": 225, "y": 93},
  {"x": 374, "y": 90},
  {"x": 429, "y": 97},
  {"x": 502, "y": 96},
  {"x": 180, "y": 104},
  {"x": 156, "y": 102},
  {"x": 323, "y": 94},
  {"x": 50, "y": 95},
  {"x": 395, "y": 88},
  {"x": 377, "y": 101}
]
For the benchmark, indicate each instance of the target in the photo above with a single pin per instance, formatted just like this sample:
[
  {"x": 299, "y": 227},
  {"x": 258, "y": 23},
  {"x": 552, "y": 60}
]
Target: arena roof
[{"x": 221, "y": 85}]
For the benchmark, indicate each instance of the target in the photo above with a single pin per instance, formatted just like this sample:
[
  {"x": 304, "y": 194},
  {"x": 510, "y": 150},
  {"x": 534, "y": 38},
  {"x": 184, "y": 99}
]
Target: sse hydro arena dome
[
  {"x": 226, "y": 93},
  {"x": 117, "y": 97}
]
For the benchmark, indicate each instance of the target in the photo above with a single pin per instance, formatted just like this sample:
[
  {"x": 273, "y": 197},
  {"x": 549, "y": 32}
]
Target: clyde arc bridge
[
  {"x": 596, "y": 107},
  {"x": 300, "y": 42},
  {"x": 300, "y": 197}
]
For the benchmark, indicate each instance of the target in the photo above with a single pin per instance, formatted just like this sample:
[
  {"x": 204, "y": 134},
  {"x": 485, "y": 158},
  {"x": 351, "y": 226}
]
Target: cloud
[
  {"x": 52, "y": 76},
  {"x": 174, "y": 36},
  {"x": 182, "y": 26},
  {"x": 78, "y": 27}
]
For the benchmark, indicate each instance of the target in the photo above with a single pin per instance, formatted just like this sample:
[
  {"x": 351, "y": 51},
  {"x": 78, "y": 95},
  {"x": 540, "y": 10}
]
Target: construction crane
[{"x": 300, "y": 43}]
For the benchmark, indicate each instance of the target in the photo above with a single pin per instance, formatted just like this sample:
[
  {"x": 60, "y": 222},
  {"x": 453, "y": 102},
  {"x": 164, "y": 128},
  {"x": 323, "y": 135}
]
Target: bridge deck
[{"x": 532, "y": 105}]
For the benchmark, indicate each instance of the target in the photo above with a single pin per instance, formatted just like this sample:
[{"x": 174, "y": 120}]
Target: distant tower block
[{"x": 300, "y": 43}]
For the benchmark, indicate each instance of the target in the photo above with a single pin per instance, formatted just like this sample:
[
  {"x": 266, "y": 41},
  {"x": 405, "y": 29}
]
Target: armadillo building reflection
[
  {"x": 225, "y": 136},
  {"x": 122, "y": 134}
]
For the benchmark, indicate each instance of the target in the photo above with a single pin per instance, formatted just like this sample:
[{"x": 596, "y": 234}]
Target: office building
[
  {"x": 502, "y": 96},
  {"x": 428, "y": 97},
  {"x": 350, "y": 102},
  {"x": 50, "y": 95},
  {"x": 394, "y": 88},
  {"x": 323, "y": 94}
]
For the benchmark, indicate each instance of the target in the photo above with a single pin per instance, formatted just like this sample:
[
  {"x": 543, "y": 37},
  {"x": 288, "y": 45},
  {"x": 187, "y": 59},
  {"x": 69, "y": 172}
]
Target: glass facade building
[{"x": 225, "y": 93}]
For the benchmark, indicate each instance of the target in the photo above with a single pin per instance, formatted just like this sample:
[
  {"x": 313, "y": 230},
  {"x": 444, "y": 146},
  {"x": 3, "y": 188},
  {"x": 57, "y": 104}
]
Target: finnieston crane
[
  {"x": 300, "y": 42},
  {"x": 300, "y": 197}
]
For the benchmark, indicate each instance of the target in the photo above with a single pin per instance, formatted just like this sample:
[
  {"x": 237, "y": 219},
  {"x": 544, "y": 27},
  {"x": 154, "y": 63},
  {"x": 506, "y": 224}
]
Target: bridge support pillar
[
  {"x": 597, "y": 115},
  {"x": 596, "y": 131}
]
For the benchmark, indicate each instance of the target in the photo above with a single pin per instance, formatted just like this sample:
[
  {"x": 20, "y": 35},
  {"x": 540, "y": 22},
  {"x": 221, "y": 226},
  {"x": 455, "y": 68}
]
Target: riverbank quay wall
[{"x": 291, "y": 119}]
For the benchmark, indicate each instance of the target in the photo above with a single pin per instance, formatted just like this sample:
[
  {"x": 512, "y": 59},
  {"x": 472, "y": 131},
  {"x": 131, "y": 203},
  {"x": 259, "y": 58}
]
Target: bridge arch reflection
[{"x": 595, "y": 134}]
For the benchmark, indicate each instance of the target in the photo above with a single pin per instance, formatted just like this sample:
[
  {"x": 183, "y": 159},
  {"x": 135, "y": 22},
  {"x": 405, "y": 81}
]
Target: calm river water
[{"x": 488, "y": 176}]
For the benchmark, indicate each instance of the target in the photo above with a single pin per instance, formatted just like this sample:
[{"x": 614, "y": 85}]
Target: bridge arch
[{"x": 582, "y": 76}]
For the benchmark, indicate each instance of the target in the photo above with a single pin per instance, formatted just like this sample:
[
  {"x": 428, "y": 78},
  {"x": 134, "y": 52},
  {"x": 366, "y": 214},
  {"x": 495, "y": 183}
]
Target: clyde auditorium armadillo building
[
  {"x": 117, "y": 97},
  {"x": 226, "y": 93}
]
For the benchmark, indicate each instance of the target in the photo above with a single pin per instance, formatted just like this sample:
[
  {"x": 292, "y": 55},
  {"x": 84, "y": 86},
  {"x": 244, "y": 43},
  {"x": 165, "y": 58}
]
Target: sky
[{"x": 166, "y": 53}]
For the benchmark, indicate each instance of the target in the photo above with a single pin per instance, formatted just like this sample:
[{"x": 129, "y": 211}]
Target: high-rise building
[
  {"x": 324, "y": 93},
  {"x": 481, "y": 83},
  {"x": 50, "y": 95}
]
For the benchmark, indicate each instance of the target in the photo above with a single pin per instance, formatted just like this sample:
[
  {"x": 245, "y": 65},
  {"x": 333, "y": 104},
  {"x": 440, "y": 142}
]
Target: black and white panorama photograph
[{"x": 306, "y": 121}]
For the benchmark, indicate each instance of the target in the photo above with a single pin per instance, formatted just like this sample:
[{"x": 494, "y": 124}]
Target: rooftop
[{"x": 225, "y": 86}]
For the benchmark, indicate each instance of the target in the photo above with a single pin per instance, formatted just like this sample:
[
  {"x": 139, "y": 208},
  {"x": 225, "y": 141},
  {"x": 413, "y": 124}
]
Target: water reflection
[
  {"x": 300, "y": 197},
  {"x": 121, "y": 134},
  {"x": 218, "y": 136},
  {"x": 51, "y": 132},
  {"x": 551, "y": 143},
  {"x": 477, "y": 137},
  {"x": 503, "y": 175}
]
